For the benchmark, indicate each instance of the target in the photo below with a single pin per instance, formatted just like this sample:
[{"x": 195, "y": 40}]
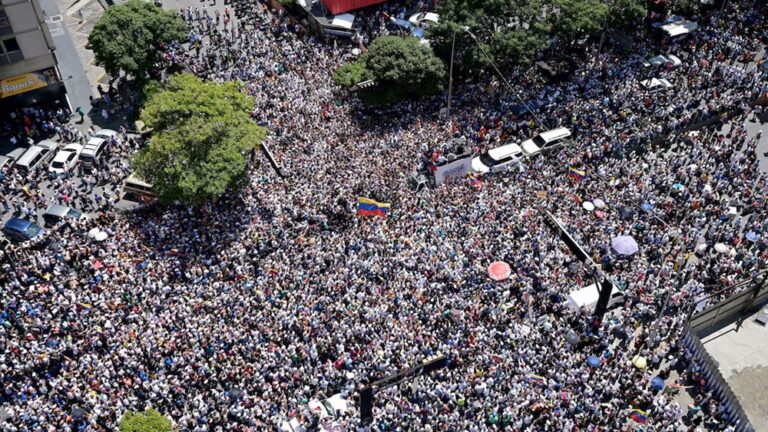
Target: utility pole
[
  {"x": 450, "y": 74},
  {"x": 758, "y": 284}
]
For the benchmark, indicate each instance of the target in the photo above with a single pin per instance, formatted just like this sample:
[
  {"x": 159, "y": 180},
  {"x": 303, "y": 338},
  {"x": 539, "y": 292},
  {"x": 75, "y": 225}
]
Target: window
[
  {"x": 11, "y": 45},
  {"x": 5, "y": 23},
  {"x": 10, "y": 52}
]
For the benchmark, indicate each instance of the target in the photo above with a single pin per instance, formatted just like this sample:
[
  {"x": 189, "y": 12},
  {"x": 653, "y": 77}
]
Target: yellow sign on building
[{"x": 27, "y": 82}]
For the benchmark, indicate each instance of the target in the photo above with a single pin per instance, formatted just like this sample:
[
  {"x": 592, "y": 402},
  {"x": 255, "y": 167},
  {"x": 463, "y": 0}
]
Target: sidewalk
[{"x": 71, "y": 68}]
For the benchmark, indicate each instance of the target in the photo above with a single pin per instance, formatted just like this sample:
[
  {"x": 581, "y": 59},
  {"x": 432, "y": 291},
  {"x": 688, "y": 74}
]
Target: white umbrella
[
  {"x": 92, "y": 233},
  {"x": 588, "y": 206},
  {"x": 721, "y": 247},
  {"x": 625, "y": 245},
  {"x": 599, "y": 203},
  {"x": 101, "y": 236}
]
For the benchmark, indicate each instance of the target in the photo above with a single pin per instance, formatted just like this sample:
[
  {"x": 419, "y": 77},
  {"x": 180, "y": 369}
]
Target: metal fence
[{"x": 737, "y": 305}]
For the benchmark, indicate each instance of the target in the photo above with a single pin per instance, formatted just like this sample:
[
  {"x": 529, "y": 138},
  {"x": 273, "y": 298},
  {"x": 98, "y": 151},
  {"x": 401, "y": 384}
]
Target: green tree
[
  {"x": 625, "y": 14},
  {"x": 519, "y": 47},
  {"x": 402, "y": 67},
  {"x": 147, "y": 421},
  {"x": 202, "y": 139},
  {"x": 513, "y": 32},
  {"x": 128, "y": 38},
  {"x": 576, "y": 19},
  {"x": 350, "y": 74}
]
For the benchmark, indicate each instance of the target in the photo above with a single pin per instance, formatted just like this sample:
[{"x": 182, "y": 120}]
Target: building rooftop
[{"x": 742, "y": 357}]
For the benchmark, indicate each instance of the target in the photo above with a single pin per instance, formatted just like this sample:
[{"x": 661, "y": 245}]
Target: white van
[
  {"x": 91, "y": 152},
  {"x": 587, "y": 298},
  {"x": 497, "y": 160},
  {"x": 545, "y": 140},
  {"x": 37, "y": 155}
]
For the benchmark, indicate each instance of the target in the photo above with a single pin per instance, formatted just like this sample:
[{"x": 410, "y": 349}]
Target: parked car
[
  {"x": 18, "y": 229},
  {"x": 587, "y": 297},
  {"x": 91, "y": 152},
  {"x": 10, "y": 158},
  {"x": 134, "y": 185},
  {"x": 662, "y": 60},
  {"x": 498, "y": 159},
  {"x": 424, "y": 17},
  {"x": 56, "y": 213},
  {"x": 95, "y": 147},
  {"x": 65, "y": 159},
  {"x": 105, "y": 134},
  {"x": 546, "y": 140},
  {"x": 656, "y": 84},
  {"x": 37, "y": 155}
]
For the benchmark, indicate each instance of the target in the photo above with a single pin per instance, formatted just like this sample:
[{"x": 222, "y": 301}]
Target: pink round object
[{"x": 499, "y": 271}]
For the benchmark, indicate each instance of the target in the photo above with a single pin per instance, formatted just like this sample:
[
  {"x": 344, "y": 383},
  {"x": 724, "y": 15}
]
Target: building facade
[{"x": 28, "y": 67}]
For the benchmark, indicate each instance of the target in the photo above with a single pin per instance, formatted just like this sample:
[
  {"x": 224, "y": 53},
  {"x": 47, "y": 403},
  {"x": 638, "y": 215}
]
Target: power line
[{"x": 509, "y": 85}]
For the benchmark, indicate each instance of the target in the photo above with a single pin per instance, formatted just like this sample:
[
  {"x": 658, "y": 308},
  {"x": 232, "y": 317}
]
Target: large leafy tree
[
  {"x": 147, "y": 421},
  {"x": 512, "y": 32},
  {"x": 626, "y": 14},
  {"x": 402, "y": 67},
  {"x": 203, "y": 136},
  {"x": 576, "y": 19},
  {"x": 129, "y": 37}
]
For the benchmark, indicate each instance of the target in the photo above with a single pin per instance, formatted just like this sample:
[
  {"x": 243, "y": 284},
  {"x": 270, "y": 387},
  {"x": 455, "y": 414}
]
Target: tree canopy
[
  {"x": 515, "y": 32},
  {"x": 203, "y": 136},
  {"x": 129, "y": 37},
  {"x": 579, "y": 18},
  {"x": 626, "y": 14},
  {"x": 402, "y": 68},
  {"x": 147, "y": 421}
]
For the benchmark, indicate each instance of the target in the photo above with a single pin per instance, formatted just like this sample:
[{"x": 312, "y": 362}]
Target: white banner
[{"x": 457, "y": 168}]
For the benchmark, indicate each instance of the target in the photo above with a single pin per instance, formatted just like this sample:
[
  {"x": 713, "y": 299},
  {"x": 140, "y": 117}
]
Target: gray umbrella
[
  {"x": 78, "y": 413},
  {"x": 235, "y": 394},
  {"x": 626, "y": 213}
]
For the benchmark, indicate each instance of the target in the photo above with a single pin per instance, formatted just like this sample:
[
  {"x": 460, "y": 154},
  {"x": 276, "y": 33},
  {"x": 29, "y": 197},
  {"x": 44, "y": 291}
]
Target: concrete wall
[
  {"x": 752, "y": 298},
  {"x": 32, "y": 35}
]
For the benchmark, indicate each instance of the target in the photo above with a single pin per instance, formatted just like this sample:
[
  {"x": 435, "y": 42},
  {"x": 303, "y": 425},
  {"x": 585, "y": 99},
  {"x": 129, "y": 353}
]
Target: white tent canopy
[
  {"x": 680, "y": 28},
  {"x": 343, "y": 20}
]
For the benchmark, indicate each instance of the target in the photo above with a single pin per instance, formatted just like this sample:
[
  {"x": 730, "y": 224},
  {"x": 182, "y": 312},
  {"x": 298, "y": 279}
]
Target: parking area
[{"x": 83, "y": 172}]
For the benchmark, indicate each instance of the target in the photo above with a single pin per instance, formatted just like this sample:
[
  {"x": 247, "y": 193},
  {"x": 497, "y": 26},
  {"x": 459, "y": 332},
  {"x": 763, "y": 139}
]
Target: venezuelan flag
[
  {"x": 576, "y": 174},
  {"x": 639, "y": 416},
  {"x": 535, "y": 379},
  {"x": 369, "y": 207}
]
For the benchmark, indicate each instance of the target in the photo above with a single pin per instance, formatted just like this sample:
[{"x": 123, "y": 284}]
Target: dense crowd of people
[{"x": 233, "y": 315}]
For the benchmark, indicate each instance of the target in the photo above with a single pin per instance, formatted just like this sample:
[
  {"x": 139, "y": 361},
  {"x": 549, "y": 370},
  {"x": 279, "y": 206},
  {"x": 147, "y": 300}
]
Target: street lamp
[{"x": 450, "y": 73}]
